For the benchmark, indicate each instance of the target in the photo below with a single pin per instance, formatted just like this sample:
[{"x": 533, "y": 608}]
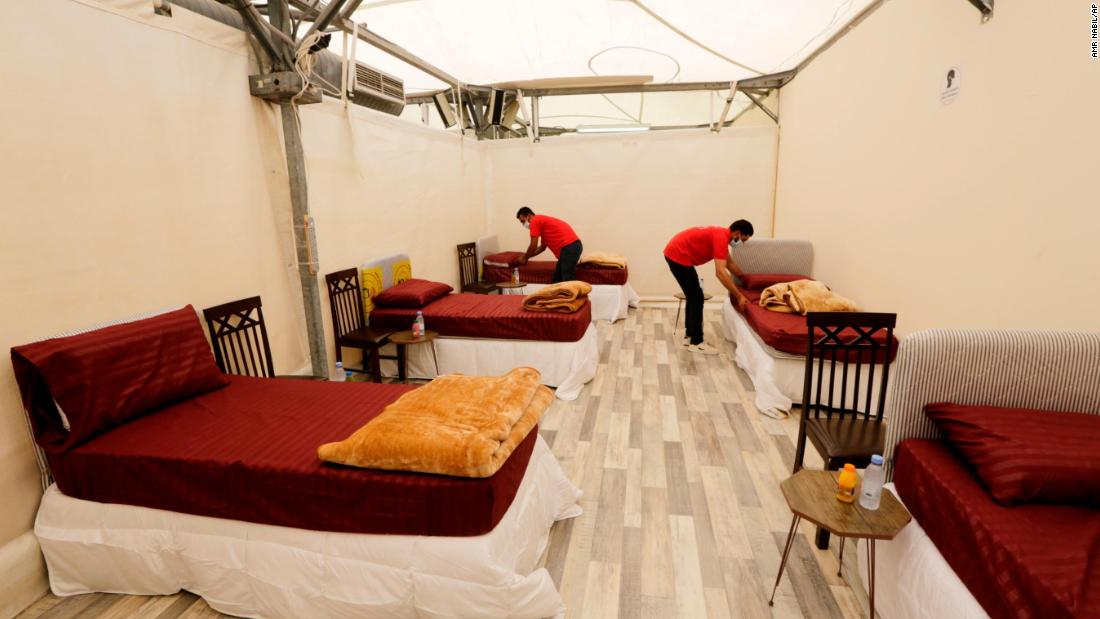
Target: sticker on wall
[{"x": 949, "y": 86}]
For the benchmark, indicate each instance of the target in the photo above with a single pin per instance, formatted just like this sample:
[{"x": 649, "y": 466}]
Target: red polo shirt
[
  {"x": 699, "y": 245},
  {"x": 555, "y": 233}
]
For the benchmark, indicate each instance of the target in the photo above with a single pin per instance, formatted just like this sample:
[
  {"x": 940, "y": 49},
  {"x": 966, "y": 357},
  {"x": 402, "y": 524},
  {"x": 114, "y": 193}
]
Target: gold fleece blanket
[
  {"x": 604, "y": 259},
  {"x": 803, "y": 296},
  {"x": 563, "y": 298},
  {"x": 465, "y": 426}
]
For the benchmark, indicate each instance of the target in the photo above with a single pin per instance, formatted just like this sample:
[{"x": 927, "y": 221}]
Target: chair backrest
[
  {"x": 845, "y": 352},
  {"x": 345, "y": 300},
  {"x": 467, "y": 264},
  {"x": 239, "y": 336}
]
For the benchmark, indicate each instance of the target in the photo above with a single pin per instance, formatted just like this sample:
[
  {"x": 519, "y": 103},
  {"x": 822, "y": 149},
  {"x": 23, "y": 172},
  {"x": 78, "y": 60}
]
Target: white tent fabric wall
[
  {"x": 379, "y": 185},
  {"x": 630, "y": 193}
]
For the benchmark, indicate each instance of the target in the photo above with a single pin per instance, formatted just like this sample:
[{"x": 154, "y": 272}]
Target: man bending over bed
[
  {"x": 695, "y": 247},
  {"x": 554, "y": 233}
]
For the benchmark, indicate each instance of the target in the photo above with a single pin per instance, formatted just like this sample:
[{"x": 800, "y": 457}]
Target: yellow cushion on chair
[{"x": 370, "y": 281}]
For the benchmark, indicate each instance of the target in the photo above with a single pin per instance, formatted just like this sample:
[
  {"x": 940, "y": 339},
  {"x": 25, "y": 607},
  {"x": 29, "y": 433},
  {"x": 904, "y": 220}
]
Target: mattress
[
  {"x": 249, "y": 452},
  {"x": 542, "y": 272},
  {"x": 487, "y": 316},
  {"x": 1022, "y": 561}
]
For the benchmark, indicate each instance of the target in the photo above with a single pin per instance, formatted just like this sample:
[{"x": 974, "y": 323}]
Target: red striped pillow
[
  {"x": 107, "y": 377},
  {"x": 412, "y": 293},
  {"x": 1025, "y": 455}
]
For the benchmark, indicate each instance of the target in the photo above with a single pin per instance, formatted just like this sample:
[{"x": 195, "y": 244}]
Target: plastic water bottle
[
  {"x": 418, "y": 329},
  {"x": 515, "y": 275},
  {"x": 339, "y": 375},
  {"x": 870, "y": 495}
]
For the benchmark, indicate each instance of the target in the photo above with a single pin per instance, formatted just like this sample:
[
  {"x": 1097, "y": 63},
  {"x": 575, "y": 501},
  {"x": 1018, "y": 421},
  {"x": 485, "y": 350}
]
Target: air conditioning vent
[{"x": 381, "y": 91}]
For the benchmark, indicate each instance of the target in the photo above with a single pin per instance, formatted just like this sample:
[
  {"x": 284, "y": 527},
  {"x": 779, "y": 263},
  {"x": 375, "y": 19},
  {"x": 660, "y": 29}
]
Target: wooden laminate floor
[{"x": 683, "y": 516}]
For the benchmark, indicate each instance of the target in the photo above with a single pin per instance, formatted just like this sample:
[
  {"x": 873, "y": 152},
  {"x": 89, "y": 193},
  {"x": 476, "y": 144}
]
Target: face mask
[
  {"x": 735, "y": 243},
  {"x": 527, "y": 225}
]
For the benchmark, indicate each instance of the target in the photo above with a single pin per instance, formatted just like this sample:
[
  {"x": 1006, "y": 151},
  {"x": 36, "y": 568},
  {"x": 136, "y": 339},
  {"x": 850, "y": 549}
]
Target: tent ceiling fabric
[{"x": 490, "y": 41}]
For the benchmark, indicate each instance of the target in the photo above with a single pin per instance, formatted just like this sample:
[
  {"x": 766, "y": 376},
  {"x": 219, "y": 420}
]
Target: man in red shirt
[
  {"x": 697, "y": 246},
  {"x": 558, "y": 236}
]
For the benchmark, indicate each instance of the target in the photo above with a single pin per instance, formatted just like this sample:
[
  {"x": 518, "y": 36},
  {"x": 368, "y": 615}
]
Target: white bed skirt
[
  {"x": 254, "y": 570},
  {"x": 609, "y": 302},
  {"x": 777, "y": 377},
  {"x": 565, "y": 365},
  {"x": 914, "y": 581}
]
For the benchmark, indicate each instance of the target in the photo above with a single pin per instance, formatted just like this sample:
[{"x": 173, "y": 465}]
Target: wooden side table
[
  {"x": 404, "y": 339},
  {"x": 812, "y": 495},
  {"x": 506, "y": 287},
  {"x": 680, "y": 298}
]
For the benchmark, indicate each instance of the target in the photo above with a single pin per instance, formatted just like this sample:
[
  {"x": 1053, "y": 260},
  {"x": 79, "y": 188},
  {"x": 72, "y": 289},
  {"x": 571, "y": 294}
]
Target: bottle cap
[
  {"x": 876, "y": 459},
  {"x": 849, "y": 467}
]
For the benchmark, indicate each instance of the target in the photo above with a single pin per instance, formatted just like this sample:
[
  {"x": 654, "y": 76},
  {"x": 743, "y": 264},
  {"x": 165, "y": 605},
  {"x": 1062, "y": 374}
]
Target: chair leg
[
  {"x": 402, "y": 363},
  {"x": 375, "y": 363},
  {"x": 800, "y": 444},
  {"x": 821, "y": 538}
]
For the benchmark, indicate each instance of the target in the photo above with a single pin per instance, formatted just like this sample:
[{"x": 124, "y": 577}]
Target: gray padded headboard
[
  {"x": 1045, "y": 370},
  {"x": 775, "y": 256}
]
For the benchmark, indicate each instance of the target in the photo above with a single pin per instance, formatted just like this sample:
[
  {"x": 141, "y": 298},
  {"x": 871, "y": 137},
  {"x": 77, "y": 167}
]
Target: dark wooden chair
[
  {"x": 239, "y": 338},
  {"x": 349, "y": 327},
  {"x": 841, "y": 413},
  {"x": 468, "y": 271}
]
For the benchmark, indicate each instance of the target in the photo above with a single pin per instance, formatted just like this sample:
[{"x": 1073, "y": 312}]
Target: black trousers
[
  {"x": 566, "y": 270},
  {"x": 688, "y": 278}
]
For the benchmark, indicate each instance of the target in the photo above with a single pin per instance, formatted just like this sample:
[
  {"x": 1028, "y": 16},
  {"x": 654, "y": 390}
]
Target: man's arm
[
  {"x": 733, "y": 268},
  {"x": 533, "y": 250},
  {"x": 723, "y": 272}
]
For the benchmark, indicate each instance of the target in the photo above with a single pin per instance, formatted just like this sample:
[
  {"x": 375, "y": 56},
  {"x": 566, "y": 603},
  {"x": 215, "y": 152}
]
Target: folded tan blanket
[
  {"x": 803, "y": 296},
  {"x": 465, "y": 426},
  {"x": 563, "y": 298},
  {"x": 604, "y": 260}
]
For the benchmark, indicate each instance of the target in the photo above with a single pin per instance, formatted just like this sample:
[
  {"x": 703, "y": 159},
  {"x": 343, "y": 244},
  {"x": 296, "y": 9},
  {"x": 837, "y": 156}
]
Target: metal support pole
[
  {"x": 304, "y": 235},
  {"x": 535, "y": 118},
  {"x": 760, "y": 105},
  {"x": 304, "y": 238},
  {"x": 726, "y": 108}
]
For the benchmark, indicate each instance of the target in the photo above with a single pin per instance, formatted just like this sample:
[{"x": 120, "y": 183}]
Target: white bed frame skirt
[
  {"x": 565, "y": 365},
  {"x": 255, "y": 570},
  {"x": 778, "y": 378},
  {"x": 914, "y": 581}
]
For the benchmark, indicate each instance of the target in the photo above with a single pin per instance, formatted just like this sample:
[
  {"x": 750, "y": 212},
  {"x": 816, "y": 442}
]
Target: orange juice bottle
[{"x": 846, "y": 484}]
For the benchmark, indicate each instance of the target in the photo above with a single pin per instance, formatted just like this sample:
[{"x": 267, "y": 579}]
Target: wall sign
[{"x": 949, "y": 85}]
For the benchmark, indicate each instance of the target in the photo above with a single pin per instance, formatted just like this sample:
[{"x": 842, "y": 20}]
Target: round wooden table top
[
  {"x": 706, "y": 296},
  {"x": 510, "y": 285},
  {"x": 812, "y": 495},
  {"x": 406, "y": 337}
]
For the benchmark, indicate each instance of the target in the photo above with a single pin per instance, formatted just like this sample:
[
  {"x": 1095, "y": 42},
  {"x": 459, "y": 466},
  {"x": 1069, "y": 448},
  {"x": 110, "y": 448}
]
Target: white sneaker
[
  {"x": 703, "y": 348},
  {"x": 686, "y": 342}
]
